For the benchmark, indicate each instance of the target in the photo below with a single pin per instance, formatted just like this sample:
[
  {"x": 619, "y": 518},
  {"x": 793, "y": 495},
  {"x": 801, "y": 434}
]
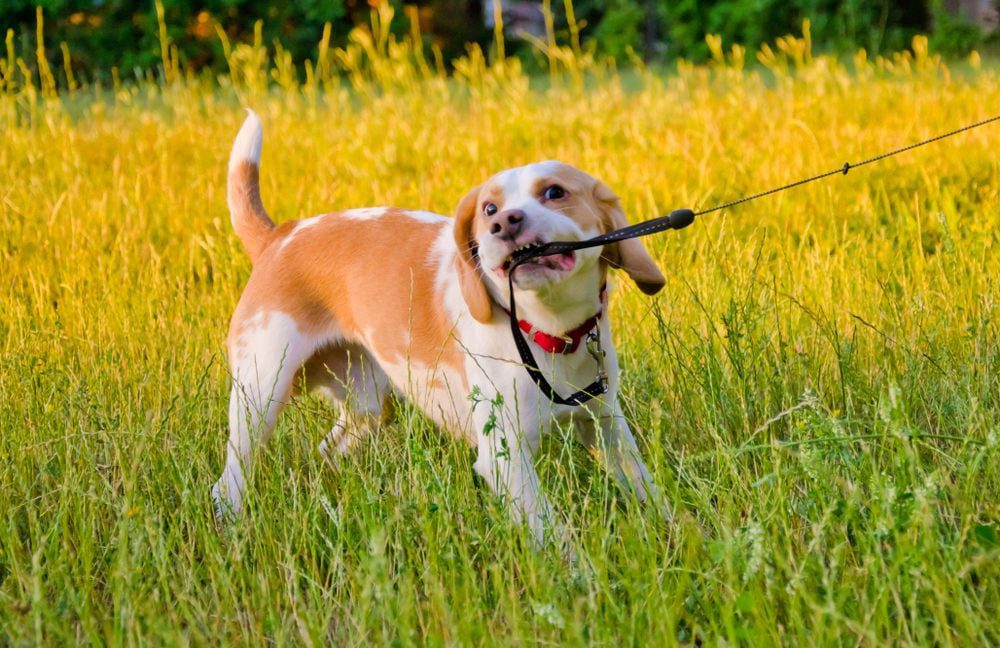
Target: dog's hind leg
[
  {"x": 264, "y": 357},
  {"x": 348, "y": 375}
]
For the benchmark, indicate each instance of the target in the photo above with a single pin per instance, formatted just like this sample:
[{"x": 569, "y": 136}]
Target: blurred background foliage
[
  {"x": 104, "y": 34},
  {"x": 676, "y": 28}
]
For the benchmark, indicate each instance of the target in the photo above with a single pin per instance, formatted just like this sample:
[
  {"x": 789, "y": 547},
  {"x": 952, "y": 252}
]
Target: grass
[{"x": 817, "y": 388}]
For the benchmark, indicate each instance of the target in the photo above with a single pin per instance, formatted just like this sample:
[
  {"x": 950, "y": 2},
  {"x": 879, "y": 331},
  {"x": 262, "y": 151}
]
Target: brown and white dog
[{"x": 364, "y": 302}]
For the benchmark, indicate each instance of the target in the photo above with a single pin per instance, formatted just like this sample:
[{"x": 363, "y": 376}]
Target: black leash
[{"x": 677, "y": 219}]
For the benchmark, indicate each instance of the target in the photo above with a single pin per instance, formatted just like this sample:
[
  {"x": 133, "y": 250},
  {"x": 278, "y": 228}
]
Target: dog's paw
[
  {"x": 657, "y": 501},
  {"x": 329, "y": 454},
  {"x": 224, "y": 505}
]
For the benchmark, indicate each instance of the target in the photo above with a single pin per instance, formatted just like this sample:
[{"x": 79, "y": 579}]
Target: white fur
[
  {"x": 366, "y": 213},
  {"x": 248, "y": 143},
  {"x": 302, "y": 225},
  {"x": 371, "y": 213},
  {"x": 426, "y": 216}
]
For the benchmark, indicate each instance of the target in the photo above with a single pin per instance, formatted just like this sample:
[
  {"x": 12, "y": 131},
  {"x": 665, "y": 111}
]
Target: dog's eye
[
  {"x": 489, "y": 209},
  {"x": 555, "y": 192}
]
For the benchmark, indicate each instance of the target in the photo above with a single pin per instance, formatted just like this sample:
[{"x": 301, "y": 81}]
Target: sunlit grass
[{"x": 816, "y": 388}]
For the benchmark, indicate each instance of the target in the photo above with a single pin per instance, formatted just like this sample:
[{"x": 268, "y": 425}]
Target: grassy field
[{"x": 817, "y": 388}]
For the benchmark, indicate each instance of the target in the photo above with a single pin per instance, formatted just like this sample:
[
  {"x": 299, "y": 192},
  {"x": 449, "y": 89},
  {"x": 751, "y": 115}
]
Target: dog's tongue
[{"x": 557, "y": 261}]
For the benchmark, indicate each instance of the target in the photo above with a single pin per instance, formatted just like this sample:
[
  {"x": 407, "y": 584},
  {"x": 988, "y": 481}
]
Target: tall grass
[{"x": 816, "y": 388}]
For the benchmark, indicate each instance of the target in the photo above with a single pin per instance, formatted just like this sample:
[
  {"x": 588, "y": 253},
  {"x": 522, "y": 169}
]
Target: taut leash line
[
  {"x": 848, "y": 166},
  {"x": 677, "y": 219}
]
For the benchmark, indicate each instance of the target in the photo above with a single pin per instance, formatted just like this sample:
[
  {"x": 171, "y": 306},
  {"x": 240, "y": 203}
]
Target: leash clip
[{"x": 597, "y": 352}]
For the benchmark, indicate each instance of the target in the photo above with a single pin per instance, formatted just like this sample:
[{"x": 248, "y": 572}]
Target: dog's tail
[{"x": 250, "y": 219}]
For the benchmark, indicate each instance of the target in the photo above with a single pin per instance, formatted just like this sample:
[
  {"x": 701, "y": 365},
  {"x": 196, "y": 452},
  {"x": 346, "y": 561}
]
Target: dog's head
[{"x": 534, "y": 204}]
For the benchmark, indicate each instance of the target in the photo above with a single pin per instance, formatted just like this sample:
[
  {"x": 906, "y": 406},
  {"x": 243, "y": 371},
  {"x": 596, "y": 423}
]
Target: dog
[{"x": 362, "y": 303}]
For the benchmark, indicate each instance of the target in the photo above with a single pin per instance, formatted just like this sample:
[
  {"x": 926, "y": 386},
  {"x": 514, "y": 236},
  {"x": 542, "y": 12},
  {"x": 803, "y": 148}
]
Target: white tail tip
[{"x": 248, "y": 142}]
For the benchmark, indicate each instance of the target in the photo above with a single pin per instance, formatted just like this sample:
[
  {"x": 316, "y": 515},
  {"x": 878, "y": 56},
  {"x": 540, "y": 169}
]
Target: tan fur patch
[
  {"x": 373, "y": 280},
  {"x": 249, "y": 218}
]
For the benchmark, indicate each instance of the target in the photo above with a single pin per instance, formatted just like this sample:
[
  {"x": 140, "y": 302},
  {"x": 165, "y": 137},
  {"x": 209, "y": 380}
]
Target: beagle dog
[{"x": 366, "y": 302}]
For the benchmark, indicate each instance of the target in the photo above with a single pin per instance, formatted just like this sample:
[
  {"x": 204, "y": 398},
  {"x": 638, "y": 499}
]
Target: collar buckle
[{"x": 598, "y": 353}]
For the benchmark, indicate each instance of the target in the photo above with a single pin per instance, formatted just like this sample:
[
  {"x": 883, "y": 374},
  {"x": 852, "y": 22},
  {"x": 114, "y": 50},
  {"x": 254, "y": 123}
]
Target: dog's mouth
[{"x": 560, "y": 262}]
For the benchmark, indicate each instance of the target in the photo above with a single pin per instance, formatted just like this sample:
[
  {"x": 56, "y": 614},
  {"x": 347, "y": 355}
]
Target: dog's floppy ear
[
  {"x": 630, "y": 255},
  {"x": 470, "y": 279}
]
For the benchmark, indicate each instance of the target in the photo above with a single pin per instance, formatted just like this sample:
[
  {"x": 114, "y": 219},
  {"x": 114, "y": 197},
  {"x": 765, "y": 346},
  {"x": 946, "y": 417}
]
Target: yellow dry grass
[{"x": 855, "y": 318}]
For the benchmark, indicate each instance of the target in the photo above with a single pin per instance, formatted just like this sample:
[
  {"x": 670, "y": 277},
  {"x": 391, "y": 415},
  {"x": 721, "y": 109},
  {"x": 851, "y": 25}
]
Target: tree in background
[
  {"x": 104, "y": 34},
  {"x": 679, "y": 26}
]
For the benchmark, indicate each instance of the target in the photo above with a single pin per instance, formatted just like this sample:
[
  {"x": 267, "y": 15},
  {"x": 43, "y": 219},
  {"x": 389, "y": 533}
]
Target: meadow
[{"x": 817, "y": 388}]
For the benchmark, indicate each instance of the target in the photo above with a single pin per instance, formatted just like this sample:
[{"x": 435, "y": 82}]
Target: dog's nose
[{"x": 507, "y": 224}]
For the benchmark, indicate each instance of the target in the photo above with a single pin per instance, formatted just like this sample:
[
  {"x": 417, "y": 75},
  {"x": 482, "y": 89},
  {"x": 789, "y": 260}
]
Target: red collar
[{"x": 569, "y": 341}]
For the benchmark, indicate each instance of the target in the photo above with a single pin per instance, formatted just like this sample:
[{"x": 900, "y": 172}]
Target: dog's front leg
[
  {"x": 615, "y": 447},
  {"x": 506, "y": 461}
]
